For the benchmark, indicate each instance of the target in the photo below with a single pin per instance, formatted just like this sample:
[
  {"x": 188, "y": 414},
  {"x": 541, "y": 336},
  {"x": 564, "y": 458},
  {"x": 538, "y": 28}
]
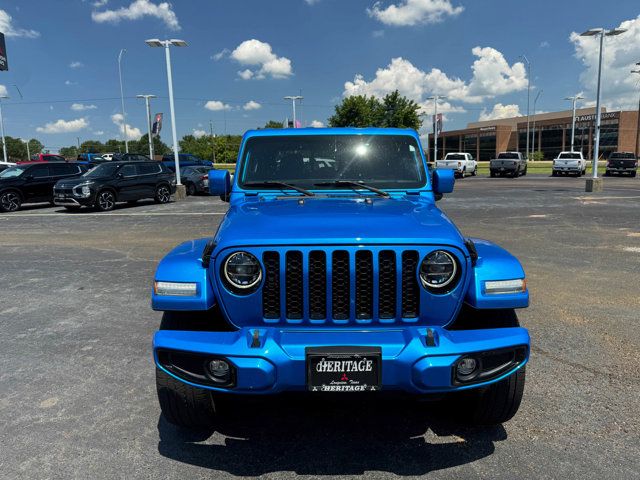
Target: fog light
[
  {"x": 176, "y": 289},
  {"x": 467, "y": 368},
  {"x": 219, "y": 369}
]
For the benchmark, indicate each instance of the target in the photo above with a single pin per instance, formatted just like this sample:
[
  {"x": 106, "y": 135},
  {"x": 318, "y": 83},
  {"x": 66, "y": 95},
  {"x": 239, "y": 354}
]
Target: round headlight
[
  {"x": 438, "y": 270},
  {"x": 242, "y": 270}
]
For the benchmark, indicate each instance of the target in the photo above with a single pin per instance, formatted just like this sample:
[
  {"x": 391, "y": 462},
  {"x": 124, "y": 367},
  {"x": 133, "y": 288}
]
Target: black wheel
[
  {"x": 515, "y": 174},
  {"x": 475, "y": 171},
  {"x": 494, "y": 404},
  {"x": 72, "y": 208},
  {"x": 633, "y": 174},
  {"x": 191, "y": 189},
  {"x": 163, "y": 194},
  {"x": 183, "y": 405},
  {"x": 105, "y": 200},
  {"x": 492, "y": 174},
  {"x": 525, "y": 171},
  {"x": 554, "y": 173},
  {"x": 10, "y": 201}
]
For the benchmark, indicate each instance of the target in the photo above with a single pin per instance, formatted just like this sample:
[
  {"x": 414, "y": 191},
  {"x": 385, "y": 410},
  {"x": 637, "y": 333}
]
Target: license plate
[
  {"x": 344, "y": 369},
  {"x": 59, "y": 195}
]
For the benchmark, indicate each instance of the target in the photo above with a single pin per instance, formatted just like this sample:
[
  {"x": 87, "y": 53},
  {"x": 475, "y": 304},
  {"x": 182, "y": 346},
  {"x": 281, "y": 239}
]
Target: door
[
  {"x": 128, "y": 184},
  {"x": 38, "y": 185},
  {"x": 149, "y": 177}
]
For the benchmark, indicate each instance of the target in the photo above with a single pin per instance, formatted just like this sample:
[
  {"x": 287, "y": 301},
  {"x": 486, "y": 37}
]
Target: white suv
[
  {"x": 569, "y": 162},
  {"x": 462, "y": 163}
]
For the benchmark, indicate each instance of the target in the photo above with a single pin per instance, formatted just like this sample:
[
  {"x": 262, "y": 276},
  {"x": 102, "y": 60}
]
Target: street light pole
[
  {"x": 574, "y": 99},
  {"x": 528, "y": 100},
  {"x": 533, "y": 140},
  {"x": 637, "y": 149},
  {"x": 213, "y": 141},
  {"x": 4, "y": 144},
  {"x": 154, "y": 42},
  {"x": 147, "y": 101},
  {"x": 293, "y": 99},
  {"x": 124, "y": 117},
  {"x": 435, "y": 99},
  {"x": 601, "y": 32}
]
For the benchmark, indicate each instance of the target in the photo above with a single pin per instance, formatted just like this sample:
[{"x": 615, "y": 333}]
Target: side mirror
[
  {"x": 443, "y": 181},
  {"x": 220, "y": 184}
]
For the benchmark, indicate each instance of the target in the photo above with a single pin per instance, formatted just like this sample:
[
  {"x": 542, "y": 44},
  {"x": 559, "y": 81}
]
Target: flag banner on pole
[
  {"x": 157, "y": 125},
  {"x": 4, "y": 64},
  {"x": 437, "y": 122}
]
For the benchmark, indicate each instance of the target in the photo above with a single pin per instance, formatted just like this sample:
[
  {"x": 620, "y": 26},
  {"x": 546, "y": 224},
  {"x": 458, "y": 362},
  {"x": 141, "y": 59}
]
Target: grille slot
[
  {"x": 364, "y": 284},
  {"x": 317, "y": 285},
  {"x": 340, "y": 285},
  {"x": 293, "y": 285},
  {"x": 410, "y": 288},
  {"x": 271, "y": 288},
  {"x": 387, "y": 284}
]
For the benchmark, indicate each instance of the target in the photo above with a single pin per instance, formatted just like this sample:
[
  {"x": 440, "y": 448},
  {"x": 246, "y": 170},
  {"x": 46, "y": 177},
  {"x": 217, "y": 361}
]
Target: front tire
[
  {"x": 496, "y": 403},
  {"x": 183, "y": 405},
  {"x": 163, "y": 194},
  {"x": 475, "y": 171},
  {"x": 191, "y": 189},
  {"x": 105, "y": 201},
  {"x": 10, "y": 201}
]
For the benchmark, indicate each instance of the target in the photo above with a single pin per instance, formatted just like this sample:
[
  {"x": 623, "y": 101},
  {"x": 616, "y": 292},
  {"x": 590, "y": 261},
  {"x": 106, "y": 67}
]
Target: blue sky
[{"x": 244, "y": 56}]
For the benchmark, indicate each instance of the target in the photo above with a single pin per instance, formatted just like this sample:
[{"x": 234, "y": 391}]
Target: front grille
[{"x": 339, "y": 285}]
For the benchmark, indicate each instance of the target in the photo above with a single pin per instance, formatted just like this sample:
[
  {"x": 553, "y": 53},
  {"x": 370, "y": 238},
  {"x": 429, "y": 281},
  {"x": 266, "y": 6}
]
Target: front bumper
[
  {"x": 275, "y": 361},
  {"x": 73, "y": 201}
]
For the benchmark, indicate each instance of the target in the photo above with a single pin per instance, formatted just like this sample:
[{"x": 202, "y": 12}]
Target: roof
[{"x": 270, "y": 132}]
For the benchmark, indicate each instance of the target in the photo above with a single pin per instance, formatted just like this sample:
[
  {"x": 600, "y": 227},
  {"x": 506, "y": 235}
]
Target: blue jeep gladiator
[{"x": 334, "y": 271}]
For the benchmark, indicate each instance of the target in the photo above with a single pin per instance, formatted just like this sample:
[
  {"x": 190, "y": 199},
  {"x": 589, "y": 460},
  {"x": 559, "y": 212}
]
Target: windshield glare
[
  {"x": 13, "y": 172},
  {"x": 102, "y": 170},
  {"x": 382, "y": 161}
]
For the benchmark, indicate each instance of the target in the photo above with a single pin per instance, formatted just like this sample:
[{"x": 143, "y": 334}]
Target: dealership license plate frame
[{"x": 344, "y": 381}]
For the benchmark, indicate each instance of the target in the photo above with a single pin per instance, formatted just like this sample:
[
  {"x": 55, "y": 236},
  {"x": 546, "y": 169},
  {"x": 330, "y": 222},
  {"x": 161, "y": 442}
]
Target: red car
[{"x": 44, "y": 157}]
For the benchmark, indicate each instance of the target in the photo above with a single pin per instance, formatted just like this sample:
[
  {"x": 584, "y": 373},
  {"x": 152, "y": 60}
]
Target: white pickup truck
[
  {"x": 461, "y": 163},
  {"x": 569, "y": 163}
]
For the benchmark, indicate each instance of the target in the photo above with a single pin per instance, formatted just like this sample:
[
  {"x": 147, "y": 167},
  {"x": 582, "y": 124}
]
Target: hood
[
  {"x": 72, "y": 182},
  {"x": 339, "y": 221}
]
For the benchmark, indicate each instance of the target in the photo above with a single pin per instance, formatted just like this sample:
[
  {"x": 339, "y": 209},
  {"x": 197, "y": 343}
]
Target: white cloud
[
  {"x": 500, "y": 111},
  {"x": 64, "y": 126},
  {"x": 251, "y": 105},
  {"x": 3, "y": 91},
  {"x": 316, "y": 124},
  {"x": 216, "y": 105},
  {"x": 78, "y": 107},
  {"x": 100, "y": 3},
  {"x": 99, "y": 132},
  {"x": 76, "y": 64},
  {"x": 10, "y": 30},
  {"x": 139, "y": 9},
  {"x": 260, "y": 56},
  {"x": 414, "y": 12},
  {"x": 311, "y": 2},
  {"x": 492, "y": 76},
  {"x": 199, "y": 133},
  {"x": 69, "y": 82},
  {"x": 221, "y": 54},
  {"x": 544, "y": 44},
  {"x": 133, "y": 133},
  {"x": 619, "y": 86}
]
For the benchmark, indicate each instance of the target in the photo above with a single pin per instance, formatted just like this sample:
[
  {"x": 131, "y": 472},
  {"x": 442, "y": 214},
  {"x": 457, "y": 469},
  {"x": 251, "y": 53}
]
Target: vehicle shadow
[
  {"x": 117, "y": 207},
  {"x": 316, "y": 437}
]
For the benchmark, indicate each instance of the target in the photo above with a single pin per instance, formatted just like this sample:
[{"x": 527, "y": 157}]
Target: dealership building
[{"x": 551, "y": 133}]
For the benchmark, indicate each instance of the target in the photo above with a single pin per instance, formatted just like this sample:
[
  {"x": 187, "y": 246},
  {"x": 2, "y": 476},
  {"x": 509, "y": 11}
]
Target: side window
[
  {"x": 128, "y": 171},
  {"x": 39, "y": 171},
  {"x": 148, "y": 169},
  {"x": 59, "y": 169}
]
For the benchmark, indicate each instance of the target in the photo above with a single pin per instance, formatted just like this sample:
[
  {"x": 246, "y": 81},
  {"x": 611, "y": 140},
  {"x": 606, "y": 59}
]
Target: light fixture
[
  {"x": 176, "y": 289},
  {"x": 496, "y": 287}
]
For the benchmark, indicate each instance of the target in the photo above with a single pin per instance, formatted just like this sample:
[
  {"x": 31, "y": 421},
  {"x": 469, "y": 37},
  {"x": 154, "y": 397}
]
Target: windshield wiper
[
  {"x": 281, "y": 185},
  {"x": 354, "y": 184}
]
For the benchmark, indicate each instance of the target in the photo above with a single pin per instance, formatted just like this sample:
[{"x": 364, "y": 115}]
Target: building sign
[
  {"x": 488, "y": 129},
  {"x": 592, "y": 117},
  {"x": 157, "y": 125},
  {"x": 4, "y": 64}
]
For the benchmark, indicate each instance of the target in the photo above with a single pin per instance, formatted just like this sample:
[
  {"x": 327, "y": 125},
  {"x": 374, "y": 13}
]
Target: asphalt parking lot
[{"x": 77, "y": 379}]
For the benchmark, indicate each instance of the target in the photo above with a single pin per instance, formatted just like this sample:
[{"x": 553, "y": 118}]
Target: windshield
[
  {"x": 14, "y": 172},
  {"x": 569, "y": 155},
  {"x": 102, "y": 170},
  {"x": 454, "y": 156},
  {"x": 382, "y": 161},
  {"x": 508, "y": 155}
]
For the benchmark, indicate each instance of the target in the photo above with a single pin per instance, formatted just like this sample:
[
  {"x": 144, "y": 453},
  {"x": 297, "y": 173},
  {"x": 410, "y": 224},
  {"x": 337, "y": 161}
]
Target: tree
[
  {"x": 226, "y": 147},
  {"x": 69, "y": 152},
  {"x": 35, "y": 146},
  {"x": 273, "y": 124},
  {"x": 393, "y": 111}
]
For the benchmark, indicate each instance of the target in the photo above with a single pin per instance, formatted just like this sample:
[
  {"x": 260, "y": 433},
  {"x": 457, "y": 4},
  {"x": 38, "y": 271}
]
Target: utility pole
[
  {"x": 147, "y": 101},
  {"x": 637, "y": 149},
  {"x": 124, "y": 116},
  {"x": 533, "y": 142},
  {"x": 528, "y": 99},
  {"x": 574, "y": 100},
  {"x": 293, "y": 99},
  {"x": 213, "y": 141},
  {"x": 601, "y": 32},
  {"x": 28, "y": 152},
  {"x": 435, "y": 99},
  {"x": 4, "y": 144}
]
